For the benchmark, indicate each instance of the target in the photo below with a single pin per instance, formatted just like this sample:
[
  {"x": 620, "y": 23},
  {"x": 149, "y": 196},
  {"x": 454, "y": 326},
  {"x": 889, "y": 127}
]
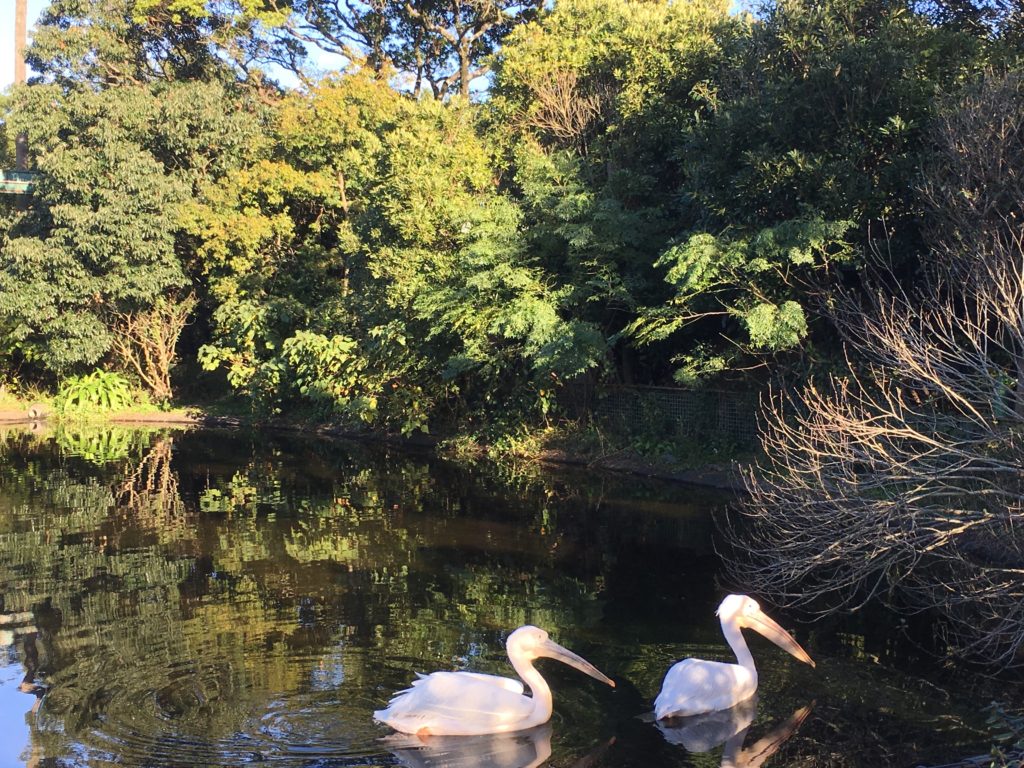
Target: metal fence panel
[{"x": 729, "y": 417}]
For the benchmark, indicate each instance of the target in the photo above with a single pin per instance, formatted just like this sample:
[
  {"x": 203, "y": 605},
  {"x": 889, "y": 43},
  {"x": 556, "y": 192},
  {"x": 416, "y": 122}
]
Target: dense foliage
[
  {"x": 487, "y": 205},
  {"x": 638, "y": 192}
]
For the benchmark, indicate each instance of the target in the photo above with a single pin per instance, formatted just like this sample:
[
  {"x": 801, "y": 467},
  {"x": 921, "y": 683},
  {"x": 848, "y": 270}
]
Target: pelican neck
[
  {"x": 734, "y": 637},
  {"x": 542, "y": 702}
]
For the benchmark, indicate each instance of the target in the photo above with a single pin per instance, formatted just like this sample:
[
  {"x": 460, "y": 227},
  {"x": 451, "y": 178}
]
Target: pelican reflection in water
[
  {"x": 470, "y": 704},
  {"x": 702, "y": 733},
  {"x": 695, "y": 686},
  {"x": 519, "y": 749}
]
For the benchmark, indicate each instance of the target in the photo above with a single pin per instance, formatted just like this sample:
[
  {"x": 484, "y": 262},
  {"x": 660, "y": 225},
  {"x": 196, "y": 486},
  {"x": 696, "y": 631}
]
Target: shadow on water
[{"x": 208, "y": 598}]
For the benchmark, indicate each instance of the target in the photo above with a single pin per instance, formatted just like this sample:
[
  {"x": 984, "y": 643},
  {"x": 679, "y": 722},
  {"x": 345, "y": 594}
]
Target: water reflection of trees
[
  {"x": 209, "y": 597},
  {"x": 192, "y": 586}
]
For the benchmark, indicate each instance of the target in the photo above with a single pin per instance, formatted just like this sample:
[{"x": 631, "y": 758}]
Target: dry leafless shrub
[
  {"x": 563, "y": 111},
  {"x": 145, "y": 342},
  {"x": 903, "y": 480}
]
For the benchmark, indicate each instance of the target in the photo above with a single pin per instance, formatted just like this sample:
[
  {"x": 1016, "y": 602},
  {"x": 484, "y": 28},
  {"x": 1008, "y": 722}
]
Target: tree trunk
[
  {"x": 464, "y": 69},
  {"x": 417, "y": 44},
  {"x": 20, "y": 41}
]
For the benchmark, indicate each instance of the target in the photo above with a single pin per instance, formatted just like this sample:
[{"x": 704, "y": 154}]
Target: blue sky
[{"x": 35, "y": 8}]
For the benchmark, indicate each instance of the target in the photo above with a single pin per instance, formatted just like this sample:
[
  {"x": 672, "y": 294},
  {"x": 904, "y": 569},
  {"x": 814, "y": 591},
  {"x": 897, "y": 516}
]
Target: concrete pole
[{"x": 20, "y": 43}]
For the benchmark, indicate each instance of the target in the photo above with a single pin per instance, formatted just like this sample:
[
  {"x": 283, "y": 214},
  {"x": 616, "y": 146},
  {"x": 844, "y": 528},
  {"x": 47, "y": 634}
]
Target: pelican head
[
  {"x": 529, "y": 643},
  {"x": 744, "y": 612}
]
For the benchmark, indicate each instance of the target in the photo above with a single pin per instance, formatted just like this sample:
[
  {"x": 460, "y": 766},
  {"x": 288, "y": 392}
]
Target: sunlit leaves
[
  {"x": 374, "y": 264},
  {"x": 743, "y": 278},
  {"x": 97, "y": 391},
  {"x": 776, "y": 327}
]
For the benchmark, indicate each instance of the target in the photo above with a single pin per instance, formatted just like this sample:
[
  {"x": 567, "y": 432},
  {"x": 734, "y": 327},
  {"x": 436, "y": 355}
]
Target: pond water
[{"x": 212, "y": 598}]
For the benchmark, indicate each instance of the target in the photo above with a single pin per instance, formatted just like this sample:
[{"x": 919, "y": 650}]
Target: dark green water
[{"x": 208, "y": 598}]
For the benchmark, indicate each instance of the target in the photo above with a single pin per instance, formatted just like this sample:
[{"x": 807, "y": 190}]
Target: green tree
[
  {"x": 373, "y": 264},
  {"x": 596, "y": 99},
  {"x": 121, "y": 144},
  {"x": 129, "y": 42},
  {"x": 440, "y": 44},
  {"x": 106, "y": 43},
  {"x": 101, "y": 237},
  {"x": 804, "y": 160},
  {"x": 100, "y": 231}
]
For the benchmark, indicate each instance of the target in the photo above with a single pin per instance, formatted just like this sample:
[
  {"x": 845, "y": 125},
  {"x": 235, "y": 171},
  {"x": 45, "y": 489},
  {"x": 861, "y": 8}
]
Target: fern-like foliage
[{"x": 96, "y": 391}]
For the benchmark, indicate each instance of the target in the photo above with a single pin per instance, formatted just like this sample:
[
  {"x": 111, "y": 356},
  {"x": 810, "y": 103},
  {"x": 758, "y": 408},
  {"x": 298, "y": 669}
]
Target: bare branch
[
  {"x": 145, "y": 342},
  {"x": 902, "y": 481}
]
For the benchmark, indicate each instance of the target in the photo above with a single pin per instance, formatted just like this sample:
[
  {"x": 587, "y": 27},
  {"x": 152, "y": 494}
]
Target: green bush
[{"x": 97, "y": 391}]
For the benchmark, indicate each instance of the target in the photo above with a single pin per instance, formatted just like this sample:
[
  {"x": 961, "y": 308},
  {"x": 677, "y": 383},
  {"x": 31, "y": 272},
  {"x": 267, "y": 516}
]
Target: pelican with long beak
[
  {"x": 470, "y": 704},
  {"x": 695, "y": 686}
]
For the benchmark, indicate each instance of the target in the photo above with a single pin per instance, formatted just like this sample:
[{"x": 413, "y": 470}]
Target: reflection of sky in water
[{"x": 14, "y": 705}]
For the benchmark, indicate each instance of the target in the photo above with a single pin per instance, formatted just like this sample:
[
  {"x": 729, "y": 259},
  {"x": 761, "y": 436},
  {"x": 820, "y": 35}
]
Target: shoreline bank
[{"x": 718, "y": 476}]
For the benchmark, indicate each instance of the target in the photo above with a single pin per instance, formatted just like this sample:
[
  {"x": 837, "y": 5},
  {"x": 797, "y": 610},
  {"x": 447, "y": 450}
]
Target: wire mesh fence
[{"x": 723, "y": 416}]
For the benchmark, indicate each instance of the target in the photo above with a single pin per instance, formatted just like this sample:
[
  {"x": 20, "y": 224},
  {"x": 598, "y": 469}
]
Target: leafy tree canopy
[
  {"x": 806, "y": 157},
  {"x": 102, "y": 233}
]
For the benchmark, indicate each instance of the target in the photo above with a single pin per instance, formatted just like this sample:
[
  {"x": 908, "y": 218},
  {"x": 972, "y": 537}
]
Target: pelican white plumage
[
  {"x": 695, "y": 686},
  {"x": 470, "y": 704}
]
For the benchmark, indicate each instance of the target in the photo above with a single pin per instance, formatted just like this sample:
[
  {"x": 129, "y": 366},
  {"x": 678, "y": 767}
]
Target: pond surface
[{"x": 209, "y": 598}]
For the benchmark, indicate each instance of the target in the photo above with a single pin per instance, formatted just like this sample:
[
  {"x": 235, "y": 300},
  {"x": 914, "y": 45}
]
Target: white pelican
[
  {"x": 695, "y": 686},
  {"x": 470, "y": 704}
]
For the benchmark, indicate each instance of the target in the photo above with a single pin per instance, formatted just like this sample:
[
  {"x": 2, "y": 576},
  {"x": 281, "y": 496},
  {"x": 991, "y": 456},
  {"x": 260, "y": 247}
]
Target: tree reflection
[
  {"x": 197, "y": 588},
  {"x": 215, "y": 598}
]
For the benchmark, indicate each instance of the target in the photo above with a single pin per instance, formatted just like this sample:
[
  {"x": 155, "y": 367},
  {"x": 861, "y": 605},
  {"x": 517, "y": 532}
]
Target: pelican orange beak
[
  {"x": 553, "y": 650},
  {"x": 767, "y": 627}
]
